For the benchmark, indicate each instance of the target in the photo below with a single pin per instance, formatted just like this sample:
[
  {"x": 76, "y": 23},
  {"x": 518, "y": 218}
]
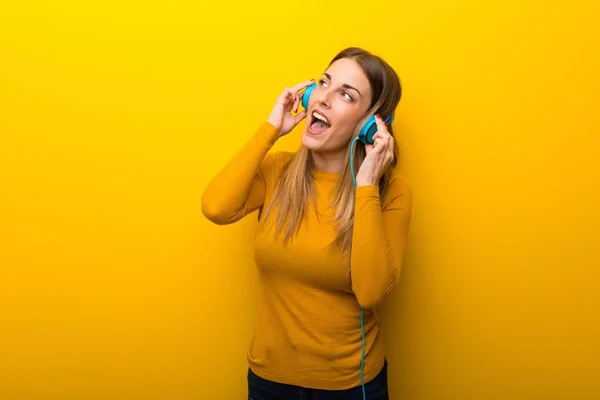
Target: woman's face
[{"x": 337, "y": 104}]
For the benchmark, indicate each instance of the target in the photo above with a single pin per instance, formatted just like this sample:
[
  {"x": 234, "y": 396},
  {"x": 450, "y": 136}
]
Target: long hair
[{"x": 295, "y": 187}]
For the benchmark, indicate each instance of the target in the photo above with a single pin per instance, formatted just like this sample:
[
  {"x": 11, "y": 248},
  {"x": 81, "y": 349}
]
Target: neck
[{"x": 330, "y": 161}]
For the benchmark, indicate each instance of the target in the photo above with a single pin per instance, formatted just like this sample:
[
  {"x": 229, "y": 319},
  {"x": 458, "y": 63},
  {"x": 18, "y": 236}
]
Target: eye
[
  {"x": 347, "y": 96},
  {"x": 322, "y": 82}
]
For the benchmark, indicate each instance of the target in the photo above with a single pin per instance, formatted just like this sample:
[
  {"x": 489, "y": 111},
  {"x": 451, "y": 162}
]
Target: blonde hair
[{"x": 295, "y": 187}]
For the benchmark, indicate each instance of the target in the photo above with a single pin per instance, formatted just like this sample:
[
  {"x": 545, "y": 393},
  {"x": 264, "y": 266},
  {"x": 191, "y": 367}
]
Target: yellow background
[{"x": 114, "y": 115}]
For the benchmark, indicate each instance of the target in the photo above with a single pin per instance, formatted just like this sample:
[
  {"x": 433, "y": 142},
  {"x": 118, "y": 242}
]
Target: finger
[
  {"x": 380, "y": 123},
  {"x": 302, "y": 85},
  {"x": 290, "y": 99},
  {"x": 383, "y": 134},
  {"x": 289, "y": 93},
  {"x": 299, "y": 117},
  {"x": 284, "y": 96},
  {"x": 379, "y": 144},
  {"x": 389, "y": 160},
  {"x": 296, "y": 102},
  {"x": 390, "y": 156}
]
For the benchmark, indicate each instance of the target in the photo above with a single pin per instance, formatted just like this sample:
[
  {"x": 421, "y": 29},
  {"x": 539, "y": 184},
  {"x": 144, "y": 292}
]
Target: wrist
[
  {"x": 274, "y": 125},
  {"x": 269, "y": 132},
  {"x": 276, "y": 129},
  {"x": 365, "y": 182}
]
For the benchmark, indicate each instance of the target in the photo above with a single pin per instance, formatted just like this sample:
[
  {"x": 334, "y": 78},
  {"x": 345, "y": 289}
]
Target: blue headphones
[{"x": 367, "y": 131}]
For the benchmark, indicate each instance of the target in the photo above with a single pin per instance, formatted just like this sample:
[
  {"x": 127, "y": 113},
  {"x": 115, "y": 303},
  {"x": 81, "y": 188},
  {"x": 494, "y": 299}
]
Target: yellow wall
[{"x": 114, "y": 115}]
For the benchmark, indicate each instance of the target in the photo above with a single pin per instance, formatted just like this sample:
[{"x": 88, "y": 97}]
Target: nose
[{"x": 323, "y": 96}]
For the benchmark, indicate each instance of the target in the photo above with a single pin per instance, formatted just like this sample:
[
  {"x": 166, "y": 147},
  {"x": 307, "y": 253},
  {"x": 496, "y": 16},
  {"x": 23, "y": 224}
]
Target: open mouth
[{"x": 318, "y": 123}]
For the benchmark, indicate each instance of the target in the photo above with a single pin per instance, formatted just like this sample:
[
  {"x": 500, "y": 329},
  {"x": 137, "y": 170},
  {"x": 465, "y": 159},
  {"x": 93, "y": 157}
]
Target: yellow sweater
[{"x": 308, "y": 332}]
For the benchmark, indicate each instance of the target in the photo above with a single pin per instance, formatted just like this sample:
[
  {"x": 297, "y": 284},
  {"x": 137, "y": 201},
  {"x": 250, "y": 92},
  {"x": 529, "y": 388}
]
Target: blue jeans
[{"x": 262, "y": 389}]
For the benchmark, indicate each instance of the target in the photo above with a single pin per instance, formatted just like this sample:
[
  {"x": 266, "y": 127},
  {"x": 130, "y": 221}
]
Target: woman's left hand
[{"x": 380, "y": 155}]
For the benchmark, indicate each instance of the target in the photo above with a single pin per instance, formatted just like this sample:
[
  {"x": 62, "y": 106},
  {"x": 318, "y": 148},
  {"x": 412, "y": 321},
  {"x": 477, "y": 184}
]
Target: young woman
[{"x": 333, "y": 223}]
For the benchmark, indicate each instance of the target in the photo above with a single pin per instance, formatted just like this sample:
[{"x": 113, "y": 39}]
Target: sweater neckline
[{"x": 324, "y": 175}]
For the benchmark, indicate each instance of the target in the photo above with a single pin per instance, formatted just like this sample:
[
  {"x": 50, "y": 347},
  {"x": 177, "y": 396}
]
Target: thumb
[{"x": 299, "y": 117}]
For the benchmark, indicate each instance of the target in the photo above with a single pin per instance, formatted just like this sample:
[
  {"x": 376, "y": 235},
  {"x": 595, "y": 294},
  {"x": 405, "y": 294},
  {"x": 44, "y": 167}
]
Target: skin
[{"x": 343, "y": 95}]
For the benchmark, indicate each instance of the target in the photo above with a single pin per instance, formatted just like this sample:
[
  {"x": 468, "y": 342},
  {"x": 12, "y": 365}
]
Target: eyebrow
[{"x": 345, "y": 85}]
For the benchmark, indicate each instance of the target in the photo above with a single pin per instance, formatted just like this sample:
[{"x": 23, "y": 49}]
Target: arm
[
  {"x": 239, "y": 188},
  {"x": 379, "y": 241}
]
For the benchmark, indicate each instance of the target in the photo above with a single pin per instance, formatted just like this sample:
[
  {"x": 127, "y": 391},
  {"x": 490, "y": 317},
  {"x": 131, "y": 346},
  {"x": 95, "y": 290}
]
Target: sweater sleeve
[
  {"x": 239, "y": 188},
  {"x": 379, "y": 241}
]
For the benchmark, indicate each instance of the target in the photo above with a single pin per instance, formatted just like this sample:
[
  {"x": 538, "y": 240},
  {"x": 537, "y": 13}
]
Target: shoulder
[
  {"x": 275, "y": 161},
  {"x": 400, "y": 182},
  {"x": 283, "y": 157},
  {"x": 399, "y": 190}
]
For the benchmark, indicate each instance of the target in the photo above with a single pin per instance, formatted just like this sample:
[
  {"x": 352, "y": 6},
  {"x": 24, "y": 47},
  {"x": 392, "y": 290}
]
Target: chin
[{"x": 311, "y": 142}]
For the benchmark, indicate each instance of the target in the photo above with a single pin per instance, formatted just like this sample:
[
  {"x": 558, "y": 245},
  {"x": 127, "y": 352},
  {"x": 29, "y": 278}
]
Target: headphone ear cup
[
  {"x": 390, "y": 119},
  {"x": 368, "y": 131},
  {"x": 306, "y": 95}
]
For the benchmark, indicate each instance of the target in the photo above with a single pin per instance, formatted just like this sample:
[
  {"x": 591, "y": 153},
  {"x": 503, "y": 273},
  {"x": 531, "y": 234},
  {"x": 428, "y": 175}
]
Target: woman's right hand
[{"x": 281, "y": 117}]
